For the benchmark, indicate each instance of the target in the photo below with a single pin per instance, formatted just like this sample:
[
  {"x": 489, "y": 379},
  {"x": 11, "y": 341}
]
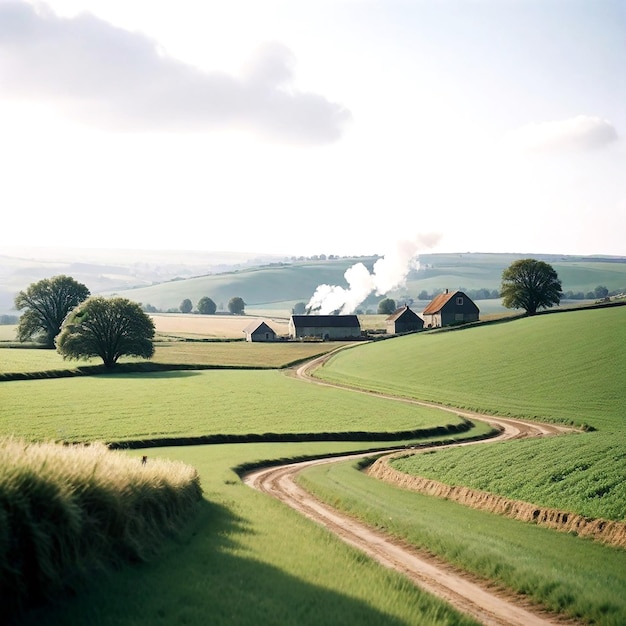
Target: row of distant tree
[{"x": 204, "y": 306}]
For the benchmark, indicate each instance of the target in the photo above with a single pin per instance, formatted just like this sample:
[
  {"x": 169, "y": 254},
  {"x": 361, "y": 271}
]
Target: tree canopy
[
  {"x": 386, "y": 306},
  {"x": 46, "y": 304},
  {"x": 106, "y": 328},
  {"x": 236, "y": 305},
  {"x": 186, "y": 306},
  {"x": 530, "y": 284},
  {"x": 206, "y": 306}
]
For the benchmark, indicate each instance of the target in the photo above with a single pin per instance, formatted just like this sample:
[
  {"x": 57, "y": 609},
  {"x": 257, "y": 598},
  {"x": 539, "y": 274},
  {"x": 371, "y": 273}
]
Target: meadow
[
  {"x": 568, "y": 367},
  {"x": 251, "y": 560}
]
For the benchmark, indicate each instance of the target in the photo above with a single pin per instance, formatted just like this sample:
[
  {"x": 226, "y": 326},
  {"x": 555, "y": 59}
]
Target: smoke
[{"x": 389, "y": 273}]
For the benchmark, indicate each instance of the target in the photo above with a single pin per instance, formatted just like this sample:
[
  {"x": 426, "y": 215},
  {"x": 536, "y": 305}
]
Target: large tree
[
  {"x": 236, "y": 305},
  {"x": 186, "y": 306},
  {"x": 106, "y": 328},
  {"x": 206, "y": 306},
  {"x": 46, "y": 304},
  {"x": 530, "y": 285},
  {"x": 386, "y": 306}
]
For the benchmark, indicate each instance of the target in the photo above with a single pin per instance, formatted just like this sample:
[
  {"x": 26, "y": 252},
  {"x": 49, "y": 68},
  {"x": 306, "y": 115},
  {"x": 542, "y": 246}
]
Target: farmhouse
[
  {"x": 259, "y": 331},
  {"x": 450, "y": 308},
  {"x": 404, "y": 320},
  {"x": 324, "y": 326}
]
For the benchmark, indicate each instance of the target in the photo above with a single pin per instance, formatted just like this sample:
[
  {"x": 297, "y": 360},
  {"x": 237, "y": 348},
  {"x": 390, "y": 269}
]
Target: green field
[
  {"x": 119, "y": 407},
  {"x": 583, "y": 474},
  {"x": 253, "y": 561},
  {"x": 569, "y": 367}
]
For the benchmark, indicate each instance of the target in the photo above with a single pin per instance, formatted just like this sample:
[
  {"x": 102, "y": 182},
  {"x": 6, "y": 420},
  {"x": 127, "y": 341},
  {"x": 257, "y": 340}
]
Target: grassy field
[
  {"x": 138, "y": 406},
  {"x": 251, "y": 561},
  {"x": 567, "y": 367},
  {"x": 248, "y": 551},
  {"x": 570, "y": 575},
  {"x": 579, "y": 473}
]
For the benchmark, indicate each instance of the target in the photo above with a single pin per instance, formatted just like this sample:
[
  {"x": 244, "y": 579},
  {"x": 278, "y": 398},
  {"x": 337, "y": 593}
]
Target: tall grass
[{"x": 70, "y": 511}]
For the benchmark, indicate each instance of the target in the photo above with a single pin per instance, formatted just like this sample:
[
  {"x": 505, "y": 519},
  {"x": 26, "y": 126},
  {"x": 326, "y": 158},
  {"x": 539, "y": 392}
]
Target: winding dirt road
[{"x": 461, "y": 590}]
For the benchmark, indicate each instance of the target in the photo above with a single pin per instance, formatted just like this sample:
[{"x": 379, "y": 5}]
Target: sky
[{"x": 302, "y": 127}]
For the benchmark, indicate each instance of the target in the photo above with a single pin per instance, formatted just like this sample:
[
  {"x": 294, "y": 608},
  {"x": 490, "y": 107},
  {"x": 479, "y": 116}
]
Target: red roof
[{"x": 438, "y": 302}]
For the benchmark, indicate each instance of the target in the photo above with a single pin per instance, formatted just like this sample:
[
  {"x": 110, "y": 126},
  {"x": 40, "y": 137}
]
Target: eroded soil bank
[{"x": 605, "y": 531}]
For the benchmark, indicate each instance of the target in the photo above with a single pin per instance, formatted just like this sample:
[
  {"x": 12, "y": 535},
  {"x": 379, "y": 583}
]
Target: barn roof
[
  {"x": 438, "y": 302},
  {"x": 325, "y": 321},
  {"x": 398, "y": 313},
  {"x": 257, "y": 325}
]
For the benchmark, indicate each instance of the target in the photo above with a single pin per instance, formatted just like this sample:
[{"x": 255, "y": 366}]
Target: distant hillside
[
  {"x": 274, "y": 285},
  {"x": 106, "y": 270},
  {"x": 278, "y": 287}
]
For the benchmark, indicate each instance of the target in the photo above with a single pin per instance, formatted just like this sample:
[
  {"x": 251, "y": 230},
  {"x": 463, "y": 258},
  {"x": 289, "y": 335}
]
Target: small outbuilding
[
  {"x": 404, "y": 320},
  {"x": 324, "y": 327},
  {"x": 448, "y": 308},
  {"x": 259, "y": 331}
]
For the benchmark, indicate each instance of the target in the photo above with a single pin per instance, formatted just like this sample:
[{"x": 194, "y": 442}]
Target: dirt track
[{"x": 460, "y": 590}]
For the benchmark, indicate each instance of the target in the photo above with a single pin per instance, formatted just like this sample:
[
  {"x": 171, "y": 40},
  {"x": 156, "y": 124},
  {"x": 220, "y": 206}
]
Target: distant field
[
  {"x": 232, "y": 354},
  {"x": 213, "y": 326},
  {"x": 7, "y": 332}
]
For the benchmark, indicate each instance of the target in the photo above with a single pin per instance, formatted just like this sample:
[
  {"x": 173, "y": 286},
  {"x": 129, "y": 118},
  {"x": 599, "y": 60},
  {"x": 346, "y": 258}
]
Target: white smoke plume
[{"x": 389, "y": 272}]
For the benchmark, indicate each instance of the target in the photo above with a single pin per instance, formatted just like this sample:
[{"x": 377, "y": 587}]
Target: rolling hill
[{"x": 272, "y": 286}]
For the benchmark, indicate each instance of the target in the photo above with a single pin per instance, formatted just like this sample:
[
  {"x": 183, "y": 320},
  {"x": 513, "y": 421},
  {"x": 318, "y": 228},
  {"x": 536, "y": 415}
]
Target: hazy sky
[{"x": 314, "y": 126}]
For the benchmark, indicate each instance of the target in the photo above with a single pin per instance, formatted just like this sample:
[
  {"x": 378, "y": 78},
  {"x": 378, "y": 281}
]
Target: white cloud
[
  {"x": 115, "y": 79},
  {"x": 580, "y": 133}
]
